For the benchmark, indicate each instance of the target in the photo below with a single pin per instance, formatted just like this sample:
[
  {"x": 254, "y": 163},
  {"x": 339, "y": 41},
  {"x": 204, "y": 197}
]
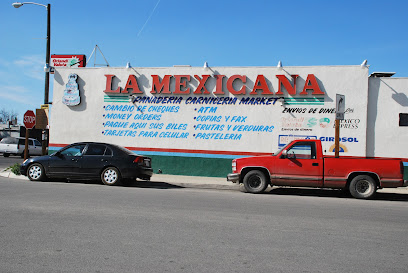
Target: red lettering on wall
[
  {"x": 260, "y": 84},
  {"x": 311, "y": 84},
  {"x": 288, "y": 86},
  {"x": 181, "y": 83},
  {"x": 163, "y": 86},
  {"x": 201, "y": 84},
  {"x": 230, "y": 86},
  {"x": 132, "y": 84},
  {"x": 218, "y": 87},
  {"x": 109, "y": 85}
]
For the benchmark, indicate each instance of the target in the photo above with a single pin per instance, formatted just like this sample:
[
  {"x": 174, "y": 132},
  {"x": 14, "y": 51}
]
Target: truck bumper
[{"x": 233, "y": 177}]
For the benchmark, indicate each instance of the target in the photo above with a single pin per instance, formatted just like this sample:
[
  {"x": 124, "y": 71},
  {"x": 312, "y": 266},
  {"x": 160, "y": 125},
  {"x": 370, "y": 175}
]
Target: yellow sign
[{"x": 45, "y": 106}]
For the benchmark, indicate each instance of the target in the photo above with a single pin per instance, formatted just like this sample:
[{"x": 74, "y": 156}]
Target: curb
[
  {"x": 9, "y": 174},
  {"x": 195, "y": 182}
]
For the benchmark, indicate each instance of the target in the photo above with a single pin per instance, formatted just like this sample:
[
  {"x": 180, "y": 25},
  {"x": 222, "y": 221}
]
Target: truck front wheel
[
  {"x": 363, "y": 187},
  {"x": 255, "y": 182}
]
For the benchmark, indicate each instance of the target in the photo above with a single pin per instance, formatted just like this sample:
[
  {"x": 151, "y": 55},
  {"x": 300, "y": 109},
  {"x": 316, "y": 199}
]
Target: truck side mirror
[{"x": 284, "y": 153}]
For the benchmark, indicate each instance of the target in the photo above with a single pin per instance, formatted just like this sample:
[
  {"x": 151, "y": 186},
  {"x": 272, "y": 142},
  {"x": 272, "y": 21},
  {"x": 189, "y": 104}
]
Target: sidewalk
[{"x": 196, "y": 182}]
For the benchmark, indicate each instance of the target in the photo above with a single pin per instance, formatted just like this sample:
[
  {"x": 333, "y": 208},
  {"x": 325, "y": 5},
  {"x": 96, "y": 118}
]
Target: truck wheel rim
[
  {"x": 363, "y": 186},
  {"x": 35, "y": 172},
  {"x": 110, "y": 176},
  {"x": 254, "y": 182}
]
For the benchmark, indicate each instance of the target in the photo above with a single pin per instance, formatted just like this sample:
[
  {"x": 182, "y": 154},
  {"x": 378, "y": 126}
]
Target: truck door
[
  {"x": 299, "y": 167},
  {"x": 36, "y": 149}
]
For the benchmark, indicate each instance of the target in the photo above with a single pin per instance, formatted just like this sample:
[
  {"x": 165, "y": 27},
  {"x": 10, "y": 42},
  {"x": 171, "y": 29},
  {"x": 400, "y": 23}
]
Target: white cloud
[
  {"x": 18, "y": 94},
  {"x": 31, "y": 66}
]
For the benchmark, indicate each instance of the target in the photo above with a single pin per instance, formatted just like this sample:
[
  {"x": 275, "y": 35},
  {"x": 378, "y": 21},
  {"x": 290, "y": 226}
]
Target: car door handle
[{"x": 315, "y": 164}]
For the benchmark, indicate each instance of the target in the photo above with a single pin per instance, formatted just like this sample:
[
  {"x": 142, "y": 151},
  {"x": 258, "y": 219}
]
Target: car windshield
[{"x": 75, "y": 150}]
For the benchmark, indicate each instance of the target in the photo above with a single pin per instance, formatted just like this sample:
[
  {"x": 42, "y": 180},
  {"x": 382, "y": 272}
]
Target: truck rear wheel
[
  {"x": 255, "y": 182},
  {"x": 363, "y": 187}
]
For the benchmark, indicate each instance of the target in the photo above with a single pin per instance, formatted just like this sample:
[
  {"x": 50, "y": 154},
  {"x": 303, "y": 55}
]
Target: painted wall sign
[
  {"x": 161, "y": 85},
  {"x": 77, "y": 60},
  {"x": 193, "y": 123},
  {"x": 71, "y": 93}
]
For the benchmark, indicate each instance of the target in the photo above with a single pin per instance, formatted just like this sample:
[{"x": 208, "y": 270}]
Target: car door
[
  {"x": 94, "y": 159},
  {"x": 299, "y": 167},
  {"x": 66, "y": 163}
]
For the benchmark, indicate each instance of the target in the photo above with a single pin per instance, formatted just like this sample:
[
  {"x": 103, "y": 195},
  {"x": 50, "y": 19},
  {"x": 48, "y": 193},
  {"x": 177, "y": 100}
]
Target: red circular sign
[{"x": 29, "y": 119}]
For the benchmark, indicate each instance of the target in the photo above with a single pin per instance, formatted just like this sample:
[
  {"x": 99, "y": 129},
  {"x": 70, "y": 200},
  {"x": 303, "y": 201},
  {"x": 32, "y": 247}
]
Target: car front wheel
[
  {"x": 110, "y": 176},
  {"x": 36, "y": 172}
]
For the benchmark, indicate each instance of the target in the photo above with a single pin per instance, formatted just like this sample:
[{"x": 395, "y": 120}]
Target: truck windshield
[{"x": 279, "y": 150}]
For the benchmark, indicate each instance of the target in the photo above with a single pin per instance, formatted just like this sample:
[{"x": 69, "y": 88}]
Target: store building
[{"x": 195, "y": 120}]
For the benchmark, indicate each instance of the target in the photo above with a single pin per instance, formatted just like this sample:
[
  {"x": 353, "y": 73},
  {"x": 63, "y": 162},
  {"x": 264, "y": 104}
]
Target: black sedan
[{"x": 89, "y": 160}]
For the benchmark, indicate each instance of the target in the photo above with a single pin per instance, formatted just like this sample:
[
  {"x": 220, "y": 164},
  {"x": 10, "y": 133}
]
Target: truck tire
[
  {"x": 255, "y": 182},
  {"x": 363, "y": 187},
  {"x": 22, "y": 154},
  {"x": 110, "y": 176},
  {"x": 35, "y": 172}
]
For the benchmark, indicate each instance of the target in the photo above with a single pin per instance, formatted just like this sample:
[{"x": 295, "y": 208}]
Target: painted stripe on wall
[{"x": 178, "y": 152}]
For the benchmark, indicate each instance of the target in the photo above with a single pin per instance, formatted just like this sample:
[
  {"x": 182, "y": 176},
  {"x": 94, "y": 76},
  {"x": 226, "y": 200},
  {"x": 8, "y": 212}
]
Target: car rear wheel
[
  {"x": 36, "y": 172},
  {"x": 110, "y": 176},
  {"x": 255, "y": 182},
  {"x": 363, "y": 187}
]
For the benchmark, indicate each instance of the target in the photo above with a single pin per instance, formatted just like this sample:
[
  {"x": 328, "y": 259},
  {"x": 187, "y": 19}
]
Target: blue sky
[{"x": 223, "y": 33}]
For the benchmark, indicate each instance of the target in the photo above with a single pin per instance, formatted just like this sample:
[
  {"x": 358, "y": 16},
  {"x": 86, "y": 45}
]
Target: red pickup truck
[{"x": 301, "y": 163}]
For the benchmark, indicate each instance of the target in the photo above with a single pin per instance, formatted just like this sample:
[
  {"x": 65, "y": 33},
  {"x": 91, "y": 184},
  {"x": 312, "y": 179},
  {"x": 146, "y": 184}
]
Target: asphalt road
[
  {"x": 6, "y": 162},
  {"x": 89, "y": 227}
]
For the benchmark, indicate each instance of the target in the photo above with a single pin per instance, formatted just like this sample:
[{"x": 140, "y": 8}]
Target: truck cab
[{"x": 301, "y": 164}]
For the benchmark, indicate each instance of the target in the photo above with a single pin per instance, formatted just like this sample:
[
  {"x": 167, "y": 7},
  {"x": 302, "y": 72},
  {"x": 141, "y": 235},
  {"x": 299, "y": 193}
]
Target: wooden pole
[
  {"x": 26, "y": 145},
  {"x": 337, "y": 139}
]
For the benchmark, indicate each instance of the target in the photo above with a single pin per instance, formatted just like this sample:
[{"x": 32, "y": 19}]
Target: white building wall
[
  {"x": 299, "y": 117},
  {"x": 387, "y": 99}
]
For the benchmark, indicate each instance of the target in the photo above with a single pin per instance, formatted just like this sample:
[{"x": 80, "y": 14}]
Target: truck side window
[
  {"x": 302, "y": 150},
  {"x": 37, "y": 143}
]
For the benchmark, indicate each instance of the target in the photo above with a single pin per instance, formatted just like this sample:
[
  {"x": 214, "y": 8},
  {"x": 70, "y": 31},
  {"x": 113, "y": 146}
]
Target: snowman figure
[{"x": 71, "y": 93}]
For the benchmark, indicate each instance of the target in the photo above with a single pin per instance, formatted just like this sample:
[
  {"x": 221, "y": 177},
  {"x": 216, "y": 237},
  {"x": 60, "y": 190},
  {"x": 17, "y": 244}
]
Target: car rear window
[
  {"x": 95, "y": 149},
  {"x": 9, "y": 140},
  {"x": 124, "y": 150}
]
